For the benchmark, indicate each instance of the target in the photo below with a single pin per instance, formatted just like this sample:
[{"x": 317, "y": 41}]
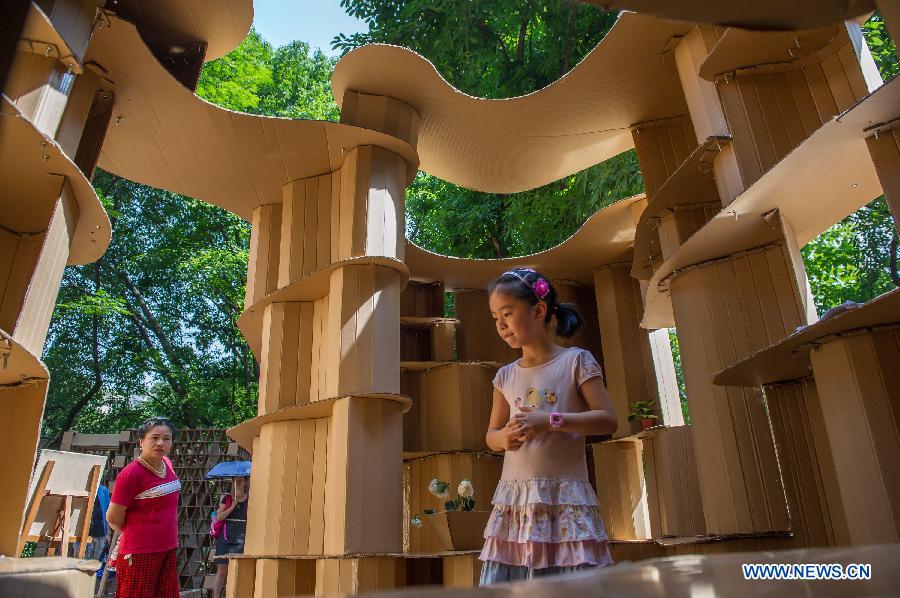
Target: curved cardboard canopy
[
  {"x": 605, "y": 238},
  {"x": 164, "y": 136},
  {"x": 750, "y": 14},
  {"x": 18, "y": 364},
  {"x": 515, "y": 144},
  {"x": 174, "y": 24},
  {"x": 824, "y": 179},
  {"x": 33, "y": 168}
]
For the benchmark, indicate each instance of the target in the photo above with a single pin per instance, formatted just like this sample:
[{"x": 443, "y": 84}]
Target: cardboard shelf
[
  {"x": 789, "y": 359},
  {"x": 424, "y": 366},
  {"x": 17, "y": 364},
  {"x": 245, "y": 432},
  {"x": 643, "y": 434},
  {"x": 41, "y": 37},
  {"x": 307, "y": 557},
  {"x": 308, "y": 288},
  {"x": 606, "y": 236},
  {"x": 413, "y": 455},
  {"x": 502, "y": 146},
  {"x": 33, "y": 168},
  {"x": 759, "y": 14},
  {"x": 233, "y": 160},
  {"x": 741, "y": 48},
  {"x": 692, "y": 182},
  {"x": 420, "y": 322},
  {"x": 831, "y": 170}
]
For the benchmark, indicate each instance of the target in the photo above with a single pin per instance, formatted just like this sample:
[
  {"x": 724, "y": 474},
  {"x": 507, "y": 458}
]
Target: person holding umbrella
[{"x": 232, "y": 512}]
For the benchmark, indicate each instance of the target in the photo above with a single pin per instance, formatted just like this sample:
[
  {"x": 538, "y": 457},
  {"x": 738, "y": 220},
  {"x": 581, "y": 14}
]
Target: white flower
[
  {"x": 415, "y": 521},
  {"x": 465, "y": 489},
  {"x": 439, "y": 488}
]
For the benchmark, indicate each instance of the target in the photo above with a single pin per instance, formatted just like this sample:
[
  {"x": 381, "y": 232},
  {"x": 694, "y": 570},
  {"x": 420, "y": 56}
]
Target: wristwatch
[{"x": 556, "y": 421}]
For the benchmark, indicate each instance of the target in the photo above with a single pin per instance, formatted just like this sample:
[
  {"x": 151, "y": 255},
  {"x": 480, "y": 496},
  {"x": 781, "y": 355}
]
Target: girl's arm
[
  {"x": 223, "y": 512},
  {"x": 500, "y": 436},
  {"x": 599, "y": 420}
]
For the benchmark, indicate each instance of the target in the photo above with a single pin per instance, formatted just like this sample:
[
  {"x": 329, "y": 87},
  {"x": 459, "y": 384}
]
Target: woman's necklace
[{"x": 161, "y": 473}]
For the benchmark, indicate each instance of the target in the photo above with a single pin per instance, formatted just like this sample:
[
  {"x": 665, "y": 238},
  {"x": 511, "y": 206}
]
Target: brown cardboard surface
[
  {"x": 245, "y": 432},
  {"x": 605, "y": 237},
  {"x": 788, "y": 359},
  {"x": 40, "y": 34},
  {"x": 451, "y": 407},
  {"x": 310, "y": 288},
  {"x": 675, "y": 506},
  {"x": 233, "y": 160},
  {"x": 661, "y": 146},
  {"x": 47, "y": 577},
  {"x": 857, "y": 381},
  {"x": 621, "y": 489},
  {"x": 765, "y": 14},
  {"x": 25, "y": 174},
  {"x": 832, "y": 164},
  {"x": 422, "y": 300},
  {"x": 469, "y": 141},
  {"x": 884, "y": 147},
  {"x": 167, "y": 23},
  {"x": 21, "y": 365},
  {"x": 742, "y": 48},
  {"x": 806, "y": 465}
]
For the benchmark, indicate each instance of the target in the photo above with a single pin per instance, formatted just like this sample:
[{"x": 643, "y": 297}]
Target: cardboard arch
[{"x": 515, "y": 144}]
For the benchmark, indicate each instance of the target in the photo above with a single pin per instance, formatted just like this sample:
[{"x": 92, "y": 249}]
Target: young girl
[{"x": 545, "y": 518}]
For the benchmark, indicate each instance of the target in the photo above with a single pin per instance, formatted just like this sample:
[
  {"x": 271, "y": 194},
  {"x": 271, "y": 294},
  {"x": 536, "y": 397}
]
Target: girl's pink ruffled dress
[{"x": 545, "y": 512}]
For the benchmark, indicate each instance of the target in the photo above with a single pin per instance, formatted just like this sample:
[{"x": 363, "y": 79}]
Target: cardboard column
[
  {"x": 724, "y": 311},
  {"x": 628, "y": 361},
  {"x": 885, "y": 151},
  {"x": 262, "y": 270},
  {"x": 859, "y": 392}
]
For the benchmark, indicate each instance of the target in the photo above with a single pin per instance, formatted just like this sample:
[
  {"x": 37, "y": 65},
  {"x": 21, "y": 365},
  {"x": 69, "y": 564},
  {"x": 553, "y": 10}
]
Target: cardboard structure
[{"x": 751, "y": 142}]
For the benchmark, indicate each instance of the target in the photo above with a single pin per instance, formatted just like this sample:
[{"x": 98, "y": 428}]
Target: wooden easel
[{"x": 63, "y": 519}]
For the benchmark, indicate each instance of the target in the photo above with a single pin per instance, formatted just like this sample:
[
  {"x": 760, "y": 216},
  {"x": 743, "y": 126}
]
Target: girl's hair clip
[{"x": 540, "y": 287}]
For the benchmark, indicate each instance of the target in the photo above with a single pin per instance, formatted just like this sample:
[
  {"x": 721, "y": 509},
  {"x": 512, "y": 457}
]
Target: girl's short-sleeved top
[
  {"x": 549, "y": 387},
  {"x": 151, "y": 519}
]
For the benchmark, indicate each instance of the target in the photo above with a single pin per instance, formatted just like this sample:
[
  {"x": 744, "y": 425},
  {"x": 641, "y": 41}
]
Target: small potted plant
[
  {"x": 643, "y": 410},
  {"x": 459, "y": 526}
]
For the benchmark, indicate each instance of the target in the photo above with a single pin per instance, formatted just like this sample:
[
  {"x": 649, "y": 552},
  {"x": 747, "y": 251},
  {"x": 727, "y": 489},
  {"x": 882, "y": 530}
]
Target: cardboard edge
[{"x": 30, "y": 367}]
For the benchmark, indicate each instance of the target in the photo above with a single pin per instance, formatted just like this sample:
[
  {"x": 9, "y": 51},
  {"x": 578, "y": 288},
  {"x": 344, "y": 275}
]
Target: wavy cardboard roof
[
  {"x": 164, "y": 136},
  {"x": 606, "y": 237},
  {"x": 168, "y": 24},
  {"x": 515, "y": 144},
  {"x": 750, "y": 14}
]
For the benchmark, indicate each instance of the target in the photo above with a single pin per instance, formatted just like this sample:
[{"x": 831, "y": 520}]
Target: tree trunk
[{"x": 570, "y": 39}]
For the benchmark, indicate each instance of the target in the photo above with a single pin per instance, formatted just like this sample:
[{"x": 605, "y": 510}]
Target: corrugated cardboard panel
[
  {"x": 319, "y": 350},
  {"x": 306, "y": 227},
  {"x": 732, "y": 440},
  {"x": 674, "y": 501},
  {"x": 795, "y": 414},
  {"x": 422, "y": 299},
  {"x": 278, "y": 362},
  {"x": 462, "y": 571},
  {"x": 18, "y": 259},
  {"x": 621, "y": 490},
  {"x": 857, "y": 380},
  {"x": 588, "y": 336},
  {"x": 74, "y": 20},
  {"x": 317, "y": 505},
  {"x": 77, "y": 111},
  {"x": 241, "y": 578},
  {"x": 265, "y": 235},
  {"x": 37, "y": 86},
  {"x": 702, "y": 99},
  {"x": 380, "y": 113},
  {"x": 482, "y": 469},
  {"x": 661, "y": 147},
  {"x": 477, "y": 338},
  {"x": 443, "y": 341},
  {"x": 21, "y": 408},
  {"x": 627, "y": 359},
  {"x": 451, "y": 408},
  {"x": 284, "y": 578},
  {"x": 885, "y": 151}
]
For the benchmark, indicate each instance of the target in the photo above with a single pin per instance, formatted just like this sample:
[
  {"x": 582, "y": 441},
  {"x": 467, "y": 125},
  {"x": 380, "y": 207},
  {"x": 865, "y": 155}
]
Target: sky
[{"x": 313, "y": 21}]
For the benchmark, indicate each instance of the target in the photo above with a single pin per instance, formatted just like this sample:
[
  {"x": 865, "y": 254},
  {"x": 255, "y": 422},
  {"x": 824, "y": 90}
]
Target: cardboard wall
[
  {"x": 422, "y": 299},
  {"x": 661, "y": 148},
  {"x": 621, "y": 489},
  {"x": 675, "y": 505},
  {"x": 677, "y": 225},
  {"x": 628, "y": 362},
  {"x": 39, "y": 86},
  {"x": 18, "y": 258},
  {"x": 308, "y": 211},
  {"x": 241, "y": 578},
  {"x": 858, "y": 384},
  {"x": 806, "y": 464},
  {"x": 287, "y": 577},
  {"x": 451, "y": 408},
  {"x": 588, "y": 337},
  {"x": 477, "y": 338},
  {"x": 884, "y": 148},
  {"x": 262, "y": 269},
  {"x": 482, "y": 469}
]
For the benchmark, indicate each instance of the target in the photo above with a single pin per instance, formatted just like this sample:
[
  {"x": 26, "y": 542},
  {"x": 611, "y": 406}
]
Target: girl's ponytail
[{"x": 568, "y": 320}]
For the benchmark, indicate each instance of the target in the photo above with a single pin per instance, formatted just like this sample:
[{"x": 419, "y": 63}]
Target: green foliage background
[{"x": 149, "y": 328}]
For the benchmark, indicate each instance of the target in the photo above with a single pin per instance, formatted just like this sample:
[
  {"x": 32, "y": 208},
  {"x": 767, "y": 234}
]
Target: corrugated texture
[
  {"x": 621, "y": 489},
  {"x": 661, "y": 148},
  {"x": 885, "y": 151},
  {"x": 673, "y": 491}
]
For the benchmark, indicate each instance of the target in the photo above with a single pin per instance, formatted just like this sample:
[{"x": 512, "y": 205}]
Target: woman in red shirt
[{"x": 144, "y": 507}]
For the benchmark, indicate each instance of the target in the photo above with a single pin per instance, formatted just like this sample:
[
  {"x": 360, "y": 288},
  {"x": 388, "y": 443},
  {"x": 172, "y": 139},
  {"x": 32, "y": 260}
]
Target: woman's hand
[{"x": 528, "y": 423}]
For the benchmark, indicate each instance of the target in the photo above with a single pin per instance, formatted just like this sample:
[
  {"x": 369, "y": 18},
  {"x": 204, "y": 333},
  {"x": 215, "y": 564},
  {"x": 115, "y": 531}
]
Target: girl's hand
[
  {"x": 510, "y": 438},
  {"x": 528, "y": 423}
]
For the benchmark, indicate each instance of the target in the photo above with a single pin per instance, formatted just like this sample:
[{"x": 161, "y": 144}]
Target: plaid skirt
[{"x": 144, "y": 575}]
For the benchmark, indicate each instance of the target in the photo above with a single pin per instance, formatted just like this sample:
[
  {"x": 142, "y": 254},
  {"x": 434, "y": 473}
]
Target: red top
[{"x": 151, "y": 521}]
